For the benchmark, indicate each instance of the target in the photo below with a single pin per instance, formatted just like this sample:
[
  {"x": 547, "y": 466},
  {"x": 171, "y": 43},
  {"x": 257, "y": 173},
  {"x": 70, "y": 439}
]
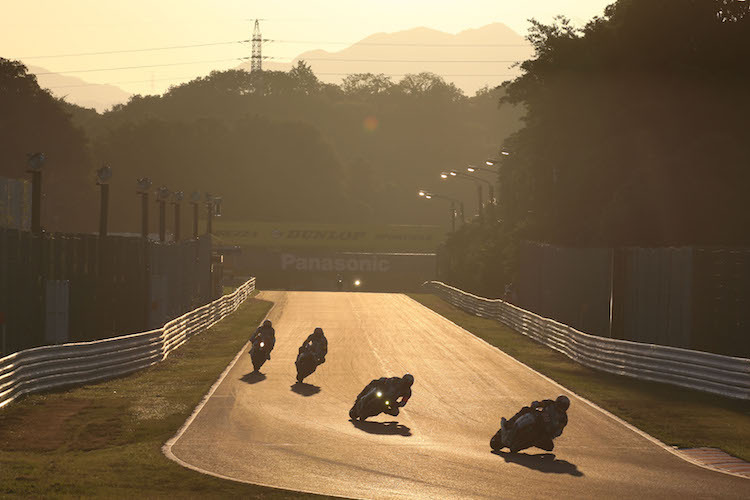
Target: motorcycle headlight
[
  {"x": 387, "y": 403},
  {"x": 262, "y": 344}
]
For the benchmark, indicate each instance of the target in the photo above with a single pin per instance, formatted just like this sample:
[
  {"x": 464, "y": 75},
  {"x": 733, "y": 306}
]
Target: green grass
[
  {"x": 105, "y": 440},
  {"x": 675, "y": 416}
]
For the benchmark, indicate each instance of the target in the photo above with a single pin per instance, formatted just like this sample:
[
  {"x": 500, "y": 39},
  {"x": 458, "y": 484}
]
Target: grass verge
[
  {"x": 105, "y": 440},
  {"x": 675, "y": 416}
]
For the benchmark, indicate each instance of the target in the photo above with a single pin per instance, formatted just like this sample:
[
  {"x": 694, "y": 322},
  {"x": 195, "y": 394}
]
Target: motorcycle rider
[
  {"x": 317, "y": 343},
  {"x": 554, "y": 419},
  {"x": 399, "y": 387},
  {"x": 265, "y": 333}
]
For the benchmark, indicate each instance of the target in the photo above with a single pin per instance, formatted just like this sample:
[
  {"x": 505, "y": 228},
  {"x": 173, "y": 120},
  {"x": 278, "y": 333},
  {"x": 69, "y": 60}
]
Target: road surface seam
[{"x": 671, "y": 449}]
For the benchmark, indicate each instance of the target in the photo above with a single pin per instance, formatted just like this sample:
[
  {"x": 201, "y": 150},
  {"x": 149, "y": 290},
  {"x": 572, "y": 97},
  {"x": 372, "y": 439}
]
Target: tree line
[
  {"x": 277, "y": 146},
  {"x": 635, "y": 134}
]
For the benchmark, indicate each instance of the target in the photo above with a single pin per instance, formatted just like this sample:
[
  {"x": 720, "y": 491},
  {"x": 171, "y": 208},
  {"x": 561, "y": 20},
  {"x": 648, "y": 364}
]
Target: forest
[
  {"x": 276, "y": 146},
  {"x": 634, "y": 134}
]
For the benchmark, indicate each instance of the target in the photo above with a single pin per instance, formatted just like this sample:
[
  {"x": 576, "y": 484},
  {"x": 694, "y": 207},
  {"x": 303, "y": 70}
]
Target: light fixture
[
  {"x": 144, "y": 184},
  {"x": 444, "y": 175},
  {"x": 178, "y": 196},
  {"x": 104, "y": 174},
  {"x": 162, "y": 194},
  {"x": 471, "y": 169},
  {"x": 195, "y": 197},
  {"x": 36, "y": 160}
]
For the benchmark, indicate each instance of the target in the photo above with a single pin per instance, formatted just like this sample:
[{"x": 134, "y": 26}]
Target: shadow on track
[
  {"x": 304, "y": 389},
  {"x": 543, "y": 462},
  {"x": 391, "y": 428},
  {"x": 253, "y": 377}
]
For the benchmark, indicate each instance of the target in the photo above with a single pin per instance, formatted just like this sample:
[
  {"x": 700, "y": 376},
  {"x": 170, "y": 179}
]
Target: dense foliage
[
  {"x": 635, "y": 134},
  {"x": 31, "y": 121},
  {"x": 636, "y": 127},
  {"x": 285, "y": 146}
]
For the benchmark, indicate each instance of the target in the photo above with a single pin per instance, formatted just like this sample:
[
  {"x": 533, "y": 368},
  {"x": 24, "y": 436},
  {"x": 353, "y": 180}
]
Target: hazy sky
[{"x": 51, "y": 27}]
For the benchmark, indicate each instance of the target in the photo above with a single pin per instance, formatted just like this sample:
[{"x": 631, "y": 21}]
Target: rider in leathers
[
  {"x": 318, "y": 343},
  {"x": 554, "y": 419},
  {"x": 399, "y": 387},
  {"x": 265, "y": 333}
]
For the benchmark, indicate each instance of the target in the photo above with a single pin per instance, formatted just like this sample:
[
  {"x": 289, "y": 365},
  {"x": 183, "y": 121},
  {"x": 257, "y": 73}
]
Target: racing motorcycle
[
  {"x": 259, "y": 354},
  {"x": 527, "y": 431},
  {"x": 373, "y": 403},
  {"x": 307, "y": 362}
]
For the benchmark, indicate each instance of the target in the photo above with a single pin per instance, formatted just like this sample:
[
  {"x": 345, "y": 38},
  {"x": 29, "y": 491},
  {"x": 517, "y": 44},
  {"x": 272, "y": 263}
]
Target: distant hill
[
  {"x": 493, "y": 42},
  {"x": 77, "y": 91}
]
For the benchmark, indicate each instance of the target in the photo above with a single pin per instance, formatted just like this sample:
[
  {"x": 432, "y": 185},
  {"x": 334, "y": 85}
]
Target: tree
[
  {"x": 34, "y": 121},
  {"x": 634, "y": 134}
]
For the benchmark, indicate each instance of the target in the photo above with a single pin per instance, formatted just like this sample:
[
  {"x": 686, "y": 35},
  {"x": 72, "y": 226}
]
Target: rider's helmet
[
  {"x": 407, "y": 380},
  {"x": 562, "y": 403},
  {"x": 267, "y": 323},
  {"x": 318, "y": 331}
]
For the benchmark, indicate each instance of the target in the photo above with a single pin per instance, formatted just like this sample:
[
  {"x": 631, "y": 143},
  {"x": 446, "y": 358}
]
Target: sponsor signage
[
  {"x": 330, "y": 236},
  {"x": 355, "y": 263}
]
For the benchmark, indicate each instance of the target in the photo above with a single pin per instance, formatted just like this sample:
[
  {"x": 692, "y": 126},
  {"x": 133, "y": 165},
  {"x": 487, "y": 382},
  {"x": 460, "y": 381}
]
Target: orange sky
[{"x": 52, "y": 27}]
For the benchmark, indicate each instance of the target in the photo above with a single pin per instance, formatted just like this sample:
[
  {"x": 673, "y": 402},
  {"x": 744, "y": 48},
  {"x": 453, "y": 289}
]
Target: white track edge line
[
  {"x": 167, "y": 447},
  {"x": 630, "y": 426}
]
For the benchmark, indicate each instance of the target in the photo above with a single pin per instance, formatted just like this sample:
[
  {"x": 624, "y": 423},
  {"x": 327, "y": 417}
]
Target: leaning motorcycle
[
  {"x": 526, "y": 432},
  {"x": 259, "y": 354},
  {"x": 373, "y": 403},
  {"x": 306, "y": 363}
]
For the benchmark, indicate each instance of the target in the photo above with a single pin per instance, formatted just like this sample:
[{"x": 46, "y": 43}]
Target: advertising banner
[{"x": 338, "y": 237}]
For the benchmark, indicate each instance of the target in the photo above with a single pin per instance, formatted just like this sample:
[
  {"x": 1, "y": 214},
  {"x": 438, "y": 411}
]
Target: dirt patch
[{"x": 41, "y": 427}]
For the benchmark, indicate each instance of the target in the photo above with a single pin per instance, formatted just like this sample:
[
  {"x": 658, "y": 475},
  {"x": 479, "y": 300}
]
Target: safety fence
[
  {"x": 55, "y": 366},
  {"x": 707, "y": 372}
]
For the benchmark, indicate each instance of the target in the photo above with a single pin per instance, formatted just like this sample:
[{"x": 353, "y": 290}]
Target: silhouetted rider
[
  {"x": 398, "y": 387},
  {"x": 317, "y": 343},
  {"x": 554, "y": 419},
  {"x": 266, "y": 334}
]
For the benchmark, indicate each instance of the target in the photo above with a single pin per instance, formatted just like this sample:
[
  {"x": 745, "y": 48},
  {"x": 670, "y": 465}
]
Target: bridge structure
[{"x": 303, "y": 256}]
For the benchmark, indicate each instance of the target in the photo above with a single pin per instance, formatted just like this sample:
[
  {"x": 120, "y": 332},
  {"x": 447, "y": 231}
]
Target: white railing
[
  {"x": 724, "y": 375},
  {"x": 56, "y": 366}
]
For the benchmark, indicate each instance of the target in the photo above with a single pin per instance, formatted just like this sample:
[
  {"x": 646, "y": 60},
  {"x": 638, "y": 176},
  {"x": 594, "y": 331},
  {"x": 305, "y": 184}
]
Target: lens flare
[{"x": 370, "y": 124}]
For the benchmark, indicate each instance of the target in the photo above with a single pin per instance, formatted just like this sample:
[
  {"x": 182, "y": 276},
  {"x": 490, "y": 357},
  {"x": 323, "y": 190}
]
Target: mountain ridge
[{"x": 471, "y": 58}]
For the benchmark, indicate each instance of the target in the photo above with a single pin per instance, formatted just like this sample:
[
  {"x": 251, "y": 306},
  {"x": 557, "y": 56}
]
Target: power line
[
  {"x": 400, "y": 44},
  {"x": 135, "y": 50},
  {"x": 92, "y": 70},
  {"x": 232, "y": 42},
  {"x": 175, "y": 78},
  {"x": 139, "y": 67},
  {"x": 323, "y": 74},
  {"x": 407, "y": 60}
]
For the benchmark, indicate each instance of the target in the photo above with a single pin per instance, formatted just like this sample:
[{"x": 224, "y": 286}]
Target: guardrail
[
  {"x": 707, "y": 372},
  {"x": 55, "y": 366}
]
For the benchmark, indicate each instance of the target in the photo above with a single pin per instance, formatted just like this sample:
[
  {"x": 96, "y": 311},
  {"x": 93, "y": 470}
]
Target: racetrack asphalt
[{"x": 266, "y": 429}]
